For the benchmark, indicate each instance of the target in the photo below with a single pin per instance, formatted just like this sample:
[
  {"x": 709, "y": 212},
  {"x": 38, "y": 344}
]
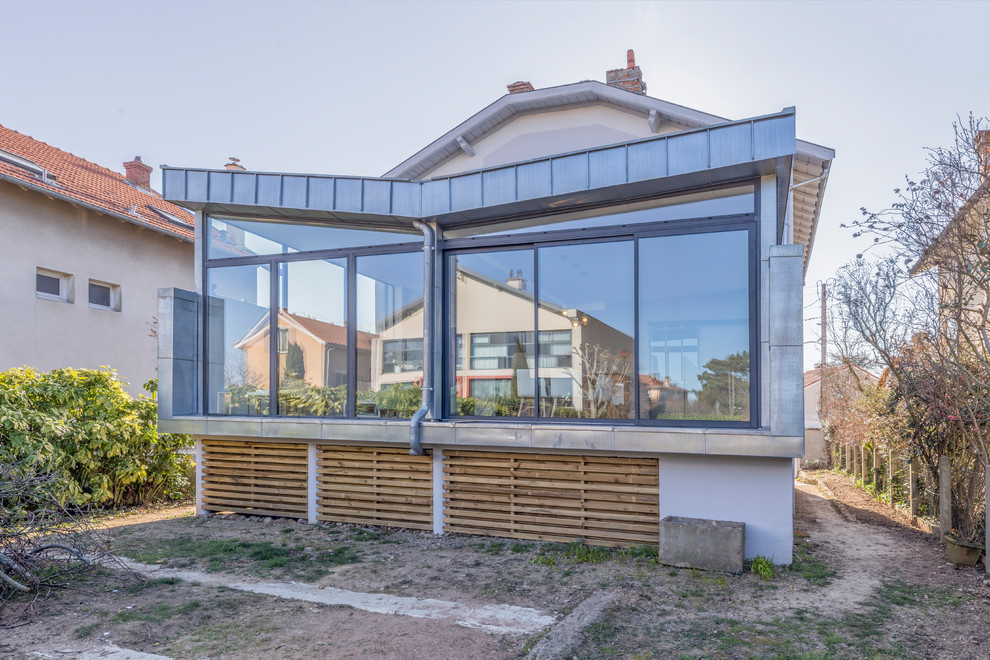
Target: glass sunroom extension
[
  {"x": 612, "y": 292},
  {"x": 549, "y": 324}
]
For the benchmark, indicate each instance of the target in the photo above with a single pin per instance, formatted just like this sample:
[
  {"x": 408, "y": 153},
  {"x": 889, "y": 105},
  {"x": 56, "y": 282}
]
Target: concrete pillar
[
  {"x": 198, "y": 457},
  {"x": 944, "y": 495},
  {"x": 438, "y": 491},
  {"x": 854, "y": 452},
  {"x": 913, "y": 474},
  {"x": 875, "y": 471},
  {"x": 865, "y": 465},
  {"x": 312, "y": 484},
  {"x": 890, "y": 476},
  {"x": 786, "y": 276}
]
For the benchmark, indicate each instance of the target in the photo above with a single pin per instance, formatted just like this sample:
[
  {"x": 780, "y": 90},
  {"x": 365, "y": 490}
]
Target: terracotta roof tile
[
  {"x": 332, "y": 333},
  {"x": 78, "y": 179}
]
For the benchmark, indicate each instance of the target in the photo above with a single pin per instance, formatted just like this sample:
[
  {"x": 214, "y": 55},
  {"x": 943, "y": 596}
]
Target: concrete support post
[
  {"x": 875, "y": 472},
  {"x": 890, "y": 476},
  {"x": 867, "y": 472},
  {"x": 438, "y": 491},
  {"x": 786, "y": 319},
  {"x": 198, "y": 457},
  {"x": 179, "y": 346},
  {"x": 944, "y": 495},
  {"x": 312, "y": 485},
  {"x": 913, "y": 486},
  {"x": 853, "y": 451}
]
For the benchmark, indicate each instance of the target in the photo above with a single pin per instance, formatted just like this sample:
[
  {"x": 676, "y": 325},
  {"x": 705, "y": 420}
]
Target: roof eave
[{"x": 48, "y": 192}]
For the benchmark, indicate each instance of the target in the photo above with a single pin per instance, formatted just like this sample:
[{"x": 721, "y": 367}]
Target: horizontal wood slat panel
[
  {"x": 605, "y": 501},
  {"x": 255, "y": 478},
  {"x": 374, "y": 486}
]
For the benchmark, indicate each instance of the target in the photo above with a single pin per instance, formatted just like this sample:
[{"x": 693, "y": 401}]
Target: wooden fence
[{"x": 554, "y": 497}]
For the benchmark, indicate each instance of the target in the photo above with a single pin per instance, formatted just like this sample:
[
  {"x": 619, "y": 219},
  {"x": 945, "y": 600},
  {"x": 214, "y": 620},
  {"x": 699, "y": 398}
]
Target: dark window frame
[
  {"x": 749, "y": 222},
  {"x": 272, "y": 261}
]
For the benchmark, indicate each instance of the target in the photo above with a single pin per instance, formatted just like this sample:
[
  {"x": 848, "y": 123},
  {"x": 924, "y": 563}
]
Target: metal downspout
[{"x": 415, "y": 430}]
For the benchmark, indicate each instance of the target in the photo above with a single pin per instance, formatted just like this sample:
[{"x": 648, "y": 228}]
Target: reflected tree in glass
[
  {"x": 312, "y": 338},
  {"x": 238, "y": 350}
]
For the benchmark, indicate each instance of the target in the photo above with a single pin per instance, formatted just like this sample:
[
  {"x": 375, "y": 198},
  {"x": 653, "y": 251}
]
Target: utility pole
[{"x": 821, "y": 367}]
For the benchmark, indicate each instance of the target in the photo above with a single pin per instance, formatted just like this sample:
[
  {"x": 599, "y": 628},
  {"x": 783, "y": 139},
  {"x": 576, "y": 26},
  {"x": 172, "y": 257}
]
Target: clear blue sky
[{"x": 356, "y": 87}]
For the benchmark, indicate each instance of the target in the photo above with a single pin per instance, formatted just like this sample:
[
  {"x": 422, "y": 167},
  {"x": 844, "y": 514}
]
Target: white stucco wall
[
  {"x": 48, "y": 334},
  {"x": 756, "y": 491},
  {"x": 537, "y": 135}
]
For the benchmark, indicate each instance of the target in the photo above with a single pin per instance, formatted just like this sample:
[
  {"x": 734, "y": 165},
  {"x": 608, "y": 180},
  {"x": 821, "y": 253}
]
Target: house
[
  {"x": 844, "y": 385},
  {"x": 86, "y": 250},
  {"x": 583, "y": 308}
]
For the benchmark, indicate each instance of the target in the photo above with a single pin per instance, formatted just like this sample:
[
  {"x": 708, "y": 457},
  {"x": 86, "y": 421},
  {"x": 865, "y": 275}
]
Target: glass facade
[
  {"x": 238, "y": 316},
  {"x": 694, "y": 360},
  {"x": 312, "y": 327},
  {"x": 390, "y": 334},
  {"x": 650, "y": 319}
]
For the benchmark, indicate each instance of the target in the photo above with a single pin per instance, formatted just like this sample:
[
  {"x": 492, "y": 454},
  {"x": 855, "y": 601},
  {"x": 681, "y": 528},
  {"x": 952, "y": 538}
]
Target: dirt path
[{"x": 863, "y": 584}]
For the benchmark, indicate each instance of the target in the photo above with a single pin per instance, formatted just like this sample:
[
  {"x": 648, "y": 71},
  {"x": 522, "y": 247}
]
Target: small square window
[
  {"x": 53, "y": 285},
  {"x": 104, "y": 296}
]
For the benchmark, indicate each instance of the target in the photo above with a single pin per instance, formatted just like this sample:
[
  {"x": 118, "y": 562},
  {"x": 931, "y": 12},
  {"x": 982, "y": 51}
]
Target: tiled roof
[
  {"x": 331, "y": 333},
  {"x": 76, "y": 179}
]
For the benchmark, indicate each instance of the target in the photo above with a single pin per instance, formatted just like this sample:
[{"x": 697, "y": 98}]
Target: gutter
[
  {"x": 53, "y": 194},
  {"x": 415, "y": 428}
]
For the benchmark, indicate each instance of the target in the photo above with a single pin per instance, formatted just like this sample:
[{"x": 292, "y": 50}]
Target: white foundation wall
[
  {"x": 755, "y": 491},
  {"x": 48, "y": 334}
]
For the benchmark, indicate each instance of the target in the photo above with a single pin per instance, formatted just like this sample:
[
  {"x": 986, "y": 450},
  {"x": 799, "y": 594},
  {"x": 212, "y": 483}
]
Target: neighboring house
[
  {"x": 843, "y": 383},
  {"x": 611, "y": 331},
  {"x": 85, "y": 251}
]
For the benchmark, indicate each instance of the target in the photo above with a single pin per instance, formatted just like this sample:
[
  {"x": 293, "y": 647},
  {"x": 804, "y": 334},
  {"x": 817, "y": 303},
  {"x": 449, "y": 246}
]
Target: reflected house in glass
[{"x": 573, "y": 314}]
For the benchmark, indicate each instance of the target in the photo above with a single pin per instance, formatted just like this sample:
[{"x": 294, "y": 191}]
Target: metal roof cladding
[{"x": 674, "y": 161}]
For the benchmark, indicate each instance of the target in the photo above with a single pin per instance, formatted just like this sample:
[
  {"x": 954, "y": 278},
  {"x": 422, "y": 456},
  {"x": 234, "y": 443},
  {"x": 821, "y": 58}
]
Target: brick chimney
[
  {"x": 138, "y": 173},
  {"x": 630, "y": 78},
  {"x": 519, "y": 86}
]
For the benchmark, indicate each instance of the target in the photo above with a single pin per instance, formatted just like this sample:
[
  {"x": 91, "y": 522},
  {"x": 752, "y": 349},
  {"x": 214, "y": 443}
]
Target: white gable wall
[{"x": 539, "y": 134}]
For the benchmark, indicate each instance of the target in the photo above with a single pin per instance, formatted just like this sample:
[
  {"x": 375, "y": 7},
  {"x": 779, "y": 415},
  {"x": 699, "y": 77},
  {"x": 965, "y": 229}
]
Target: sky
[{"x": 357, "y": 87}]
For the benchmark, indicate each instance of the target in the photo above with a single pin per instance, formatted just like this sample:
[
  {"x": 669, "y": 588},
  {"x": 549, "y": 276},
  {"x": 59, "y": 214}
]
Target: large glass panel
[
  {"x": 312, "y": 338},
  {"x": 233, "y": 237},
  {"x": 238, "y": 316},
  {"x": 694, "y": 360},
  {"x": 586, "y": 300},
  {"x": 736, "y": 200},
  {"x": 389, "y": 334},
  {"x": 493, "y": 315}
]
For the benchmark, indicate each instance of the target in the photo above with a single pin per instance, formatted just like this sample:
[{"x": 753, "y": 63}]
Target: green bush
[{"x": 80, "y": 425}]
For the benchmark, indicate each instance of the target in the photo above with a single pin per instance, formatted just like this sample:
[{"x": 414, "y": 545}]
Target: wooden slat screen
[
  {"x": 605, "y": 501},
  {"x": 255, "y": 478},
  {"x": 375, "y": 486}
]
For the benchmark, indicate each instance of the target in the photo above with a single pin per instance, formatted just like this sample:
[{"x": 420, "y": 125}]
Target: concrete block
[{"x": 712, "y": 545}]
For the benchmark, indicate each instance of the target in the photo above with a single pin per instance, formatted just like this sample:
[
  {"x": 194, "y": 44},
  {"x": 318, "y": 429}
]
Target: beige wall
[
  {"x": 47, "y": 334},
  {"x": 540, "y": 134}
]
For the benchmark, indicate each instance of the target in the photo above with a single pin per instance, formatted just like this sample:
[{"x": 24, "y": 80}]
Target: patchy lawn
[{"x": 861, "y": 585}]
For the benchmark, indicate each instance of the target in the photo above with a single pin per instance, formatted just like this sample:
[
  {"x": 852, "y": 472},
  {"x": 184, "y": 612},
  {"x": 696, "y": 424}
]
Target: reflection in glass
[
  {"x": 493, "y": 317},
  {"x": 238, "y": 314},
  {"x": 586, "y": 299},
  {"x": 312, "y": 338},
  {"x": 694, "y": 327},
  {"x": 736, "y": 200},
  {"x": 234, "y": 237},
  {"x": 390, "y": 334}
]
